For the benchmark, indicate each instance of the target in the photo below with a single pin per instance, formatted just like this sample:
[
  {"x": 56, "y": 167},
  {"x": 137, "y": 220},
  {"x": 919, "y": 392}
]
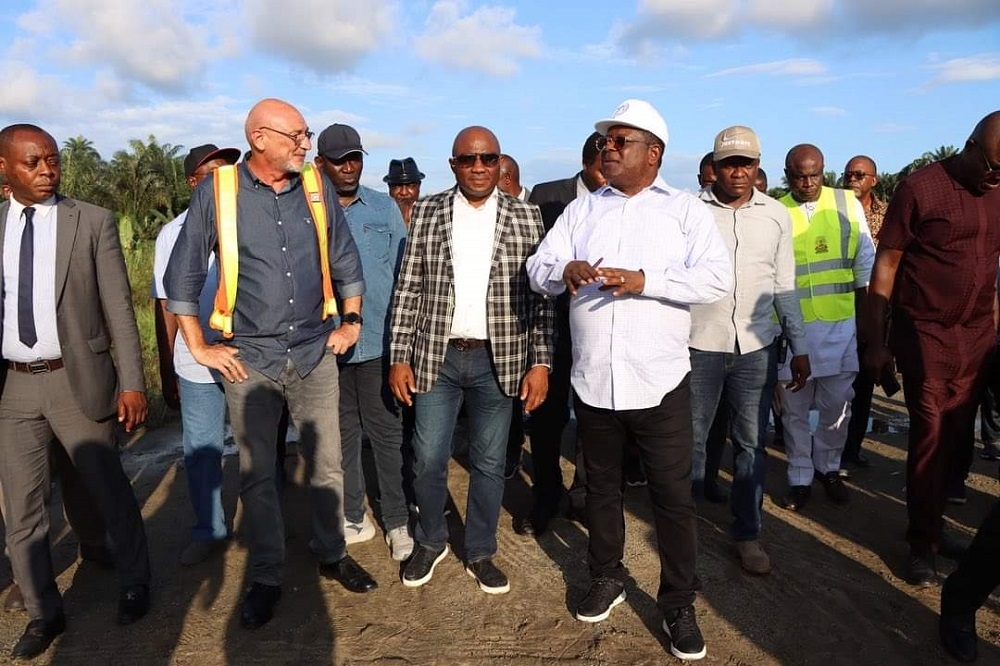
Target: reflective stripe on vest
[
  {"x": 825, "y": 247},
  {"x": 226, "y": 183}
]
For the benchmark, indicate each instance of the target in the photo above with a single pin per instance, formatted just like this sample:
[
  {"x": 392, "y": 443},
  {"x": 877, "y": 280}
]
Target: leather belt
[
  {"x": 465, "y": 344},
  {"x": 36, "y": 367}
]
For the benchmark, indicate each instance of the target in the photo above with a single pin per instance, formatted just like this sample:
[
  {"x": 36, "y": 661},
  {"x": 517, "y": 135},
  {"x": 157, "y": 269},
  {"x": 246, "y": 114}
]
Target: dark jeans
[
  {"x": 942, "y": 424},
  {"x": 747, "y": 381},
  {"x": 977, "y": 574},
  {"x": 663, "y": 437},
  {"x": 464, "y": 375},
  {"x": 367, "y": 405},
  {"x": 861, "y": 409}
]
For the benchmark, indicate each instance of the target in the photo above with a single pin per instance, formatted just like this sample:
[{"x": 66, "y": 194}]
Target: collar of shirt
[
  {"x": 293, "y": 182},
  {"x": 658, "y": 185},
  {"x": 581, "y": 187},
  {"x": 708, "y": 196},
  {"x": 42, "y": 209},
  {"x": 491, "y": 200}
]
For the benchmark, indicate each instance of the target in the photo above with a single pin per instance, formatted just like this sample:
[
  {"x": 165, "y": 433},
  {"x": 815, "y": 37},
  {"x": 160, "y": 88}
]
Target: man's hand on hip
[{"x": 223, "y": 358}]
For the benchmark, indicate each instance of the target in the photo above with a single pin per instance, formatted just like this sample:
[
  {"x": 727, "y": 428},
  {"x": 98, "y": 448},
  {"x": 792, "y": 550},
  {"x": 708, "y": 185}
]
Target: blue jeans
[
  {"x": 203, "y": 417},
  {"x": 747, "y": 380},
  {"x": 464, "y": 375}
]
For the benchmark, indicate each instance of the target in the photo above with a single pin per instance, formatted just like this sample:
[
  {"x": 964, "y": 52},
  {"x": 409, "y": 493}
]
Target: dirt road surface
[{"x": 834, "y": 597}]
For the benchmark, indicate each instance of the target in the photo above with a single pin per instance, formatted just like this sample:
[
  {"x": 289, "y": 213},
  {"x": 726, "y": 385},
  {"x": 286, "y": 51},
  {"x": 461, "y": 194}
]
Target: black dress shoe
[
  {"x": 99, "y": 554},
  {"x": 920, "y": 569},
  {"x": 258, "y": 607},
  {"x": 833, "y": 483},
  {"x": 133, "y": 603},
  {"x": 349, "y": 574},
  {"x": 38, "y": 636},
  {"x": 524, "y": 526},
  {"x": 14, "y": 600},
  {"x": 796, "y": 498}
]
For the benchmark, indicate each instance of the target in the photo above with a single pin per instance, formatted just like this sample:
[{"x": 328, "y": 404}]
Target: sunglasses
[
  {"x": 468, "y": 160},
  {"x": 855, "y": 175},
  {"x": 615, "y": 142}
]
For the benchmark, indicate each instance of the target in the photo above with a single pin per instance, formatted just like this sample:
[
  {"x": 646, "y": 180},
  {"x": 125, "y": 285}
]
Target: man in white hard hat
[{"x": 634, "y": 256}]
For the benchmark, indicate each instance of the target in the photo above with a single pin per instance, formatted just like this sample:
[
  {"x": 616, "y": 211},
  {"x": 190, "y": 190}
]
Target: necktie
[{"x": 26, "y": 281}]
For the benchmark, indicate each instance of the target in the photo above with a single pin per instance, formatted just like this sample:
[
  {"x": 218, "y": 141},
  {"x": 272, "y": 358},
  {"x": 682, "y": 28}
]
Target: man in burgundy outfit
[{"x": 936, "y": 266}]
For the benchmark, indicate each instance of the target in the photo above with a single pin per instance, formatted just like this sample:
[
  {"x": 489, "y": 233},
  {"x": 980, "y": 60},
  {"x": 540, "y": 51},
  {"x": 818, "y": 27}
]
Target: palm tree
[
  {"x": 928, "y": 158},
  {"x": 146, "y": 184},
  {"x": 82, "y": 169}
]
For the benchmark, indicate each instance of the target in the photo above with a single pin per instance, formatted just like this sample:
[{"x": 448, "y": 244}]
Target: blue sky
[{"x": 889, "y": 78}]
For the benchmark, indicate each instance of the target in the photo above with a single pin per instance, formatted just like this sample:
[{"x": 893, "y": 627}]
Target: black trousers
[
  {"x": 663, "y": 437},
  {"x": 977, "y": 575},
  {"x": 861, "y": 409}
]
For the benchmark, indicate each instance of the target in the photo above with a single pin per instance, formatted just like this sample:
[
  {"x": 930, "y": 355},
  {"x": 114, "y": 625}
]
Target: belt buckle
[
  {"x": 38, "y": 367},
  {"x": 461, "y": 344}
]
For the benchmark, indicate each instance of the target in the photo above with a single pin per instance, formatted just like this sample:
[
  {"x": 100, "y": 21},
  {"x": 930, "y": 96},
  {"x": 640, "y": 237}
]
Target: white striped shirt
[{"x": 630, "y": 351}]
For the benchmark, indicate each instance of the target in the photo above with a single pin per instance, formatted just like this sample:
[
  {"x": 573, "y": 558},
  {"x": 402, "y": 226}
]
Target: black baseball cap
[
  {"x": 338, "y": 140},
  {"x": 207, "y": 153}
]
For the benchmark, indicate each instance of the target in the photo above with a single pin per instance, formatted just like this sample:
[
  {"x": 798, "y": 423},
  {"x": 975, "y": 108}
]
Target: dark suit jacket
[
  {"x": 552, "y": 198},
  {"x": 519, "y": 321},
  {"x": 93, "y": 306}
]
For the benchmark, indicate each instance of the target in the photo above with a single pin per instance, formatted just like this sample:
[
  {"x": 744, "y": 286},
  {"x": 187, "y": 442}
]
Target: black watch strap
[{"x": 352, "y": 318}]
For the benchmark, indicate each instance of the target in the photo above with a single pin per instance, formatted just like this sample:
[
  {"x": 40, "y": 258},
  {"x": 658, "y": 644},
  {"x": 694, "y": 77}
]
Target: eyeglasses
[
  {"x": 468, "y": 160},
  {"x": 297, "y": 137},
  {"x": 855, "y": 175},
  {"x": 616, "y": 142},
  {"x": 990, "y": 168}
]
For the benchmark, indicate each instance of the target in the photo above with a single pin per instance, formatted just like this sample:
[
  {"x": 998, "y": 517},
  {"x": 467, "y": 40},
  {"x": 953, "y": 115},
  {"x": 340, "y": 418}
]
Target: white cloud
[
  {"x": 326, "y": 36},
  {"x": 803, "y": 67},
  {"x": 784, "y": 16},
  {"x": 150, "y": 42},
  {"x": 829, "y": 111},
  {"x": 27, "y": 94},
  {"x": 487, "y": 40},
  {"x": 982, "y": 67}
]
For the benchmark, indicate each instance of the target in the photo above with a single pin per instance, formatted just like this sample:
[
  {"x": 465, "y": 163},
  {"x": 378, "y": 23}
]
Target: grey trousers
[
  {"x": 34, "y": 409},
  {"x": 255, "y": 407}
]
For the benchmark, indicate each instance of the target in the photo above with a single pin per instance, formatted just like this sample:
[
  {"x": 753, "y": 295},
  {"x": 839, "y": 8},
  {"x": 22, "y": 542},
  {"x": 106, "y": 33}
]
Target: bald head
[
  {"x": 804, "y": 171},
  {"x": 475, "y": 162},
  {"x": 474, "y": 133},
  {"x": 510, "y": 176},
  {"x": 279, "y": 139}
]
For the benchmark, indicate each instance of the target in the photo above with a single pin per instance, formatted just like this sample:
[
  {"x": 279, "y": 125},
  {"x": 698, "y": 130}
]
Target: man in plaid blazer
[{"x": 466, "y": 326}]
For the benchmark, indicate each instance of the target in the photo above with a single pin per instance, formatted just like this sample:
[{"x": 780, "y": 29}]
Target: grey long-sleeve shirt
[{"x": 758, "y": 236}]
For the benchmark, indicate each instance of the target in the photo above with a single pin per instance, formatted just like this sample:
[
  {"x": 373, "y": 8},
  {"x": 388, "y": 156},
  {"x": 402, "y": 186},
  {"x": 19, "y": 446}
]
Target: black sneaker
[
  {"x": 604, "y": 594},
  {"x": 920, "y": 569},
  {"x": 491, "y": 580},
  {"x": 833, "y": 483},
  {"x": 685, "y": 636},
  {"x": 420, "y": 568}
]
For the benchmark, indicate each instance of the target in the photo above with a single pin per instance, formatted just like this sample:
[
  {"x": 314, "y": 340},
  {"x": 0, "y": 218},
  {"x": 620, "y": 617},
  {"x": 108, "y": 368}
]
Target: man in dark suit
[
  {"x": 466, "y": 326},
  {"x": 66, "y": 299},
  {"x": 548, "y": 421}
]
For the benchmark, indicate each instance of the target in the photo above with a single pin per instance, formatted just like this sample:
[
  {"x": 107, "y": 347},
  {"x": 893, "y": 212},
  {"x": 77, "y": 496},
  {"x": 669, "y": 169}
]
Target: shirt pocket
[{"x": 378, "y": 238}]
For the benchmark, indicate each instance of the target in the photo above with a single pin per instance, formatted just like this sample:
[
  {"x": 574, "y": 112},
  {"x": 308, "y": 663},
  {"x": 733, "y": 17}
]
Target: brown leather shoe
[{"x": 14, "y": 600}]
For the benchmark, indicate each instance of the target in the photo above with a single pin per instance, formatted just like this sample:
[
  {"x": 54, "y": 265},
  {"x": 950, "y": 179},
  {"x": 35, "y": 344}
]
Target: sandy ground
[{"x": 834, "y": 596}]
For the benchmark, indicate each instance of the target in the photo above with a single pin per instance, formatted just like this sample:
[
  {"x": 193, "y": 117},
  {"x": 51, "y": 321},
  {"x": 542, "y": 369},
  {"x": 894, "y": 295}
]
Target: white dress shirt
[
  {"x": 833, "y": 345},
  {"x": 630, "y": 351},
  {"x": 472, "y": 233},
  {"x": 47, "y": 346}
]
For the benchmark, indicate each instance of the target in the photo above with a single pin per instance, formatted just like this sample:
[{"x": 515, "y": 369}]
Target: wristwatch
[{"x": 352, "y": 318}]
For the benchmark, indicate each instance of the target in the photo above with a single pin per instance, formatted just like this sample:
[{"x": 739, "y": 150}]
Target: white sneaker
[
  {"x": 400, "y": 542},
  {"x": 358, "y": 532}
]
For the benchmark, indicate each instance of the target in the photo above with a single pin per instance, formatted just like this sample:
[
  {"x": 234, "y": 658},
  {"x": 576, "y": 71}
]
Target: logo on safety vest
[
  {"x": 821, "y": 246},
  {"x": 314, "y": 197}
]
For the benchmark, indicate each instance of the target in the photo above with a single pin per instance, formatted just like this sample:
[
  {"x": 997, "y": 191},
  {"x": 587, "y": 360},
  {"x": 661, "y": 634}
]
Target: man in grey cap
[
  {"x": 734, "y": 352},
  {"x": 187, "y": 384},
  {"x": 404, "y": 185},
  {"x": 634, "y": 256},
  {"x": 366, "y": 404}
]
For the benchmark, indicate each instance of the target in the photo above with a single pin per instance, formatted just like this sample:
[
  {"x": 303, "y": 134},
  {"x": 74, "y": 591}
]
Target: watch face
[{"x": 352, "y": 318}]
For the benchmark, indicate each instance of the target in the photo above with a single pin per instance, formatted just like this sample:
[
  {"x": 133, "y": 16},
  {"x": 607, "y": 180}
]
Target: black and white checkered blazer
[{"x": 519, "y": 321}]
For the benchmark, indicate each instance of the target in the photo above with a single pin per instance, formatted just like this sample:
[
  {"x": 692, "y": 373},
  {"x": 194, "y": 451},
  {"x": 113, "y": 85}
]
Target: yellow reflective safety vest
[
  {"x": 825, "y": 248},
  {"x": 226, "y": 182}
]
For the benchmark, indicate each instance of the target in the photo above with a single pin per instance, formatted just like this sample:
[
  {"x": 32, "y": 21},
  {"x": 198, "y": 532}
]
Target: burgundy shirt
[{"x": 942, "y": 301}]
